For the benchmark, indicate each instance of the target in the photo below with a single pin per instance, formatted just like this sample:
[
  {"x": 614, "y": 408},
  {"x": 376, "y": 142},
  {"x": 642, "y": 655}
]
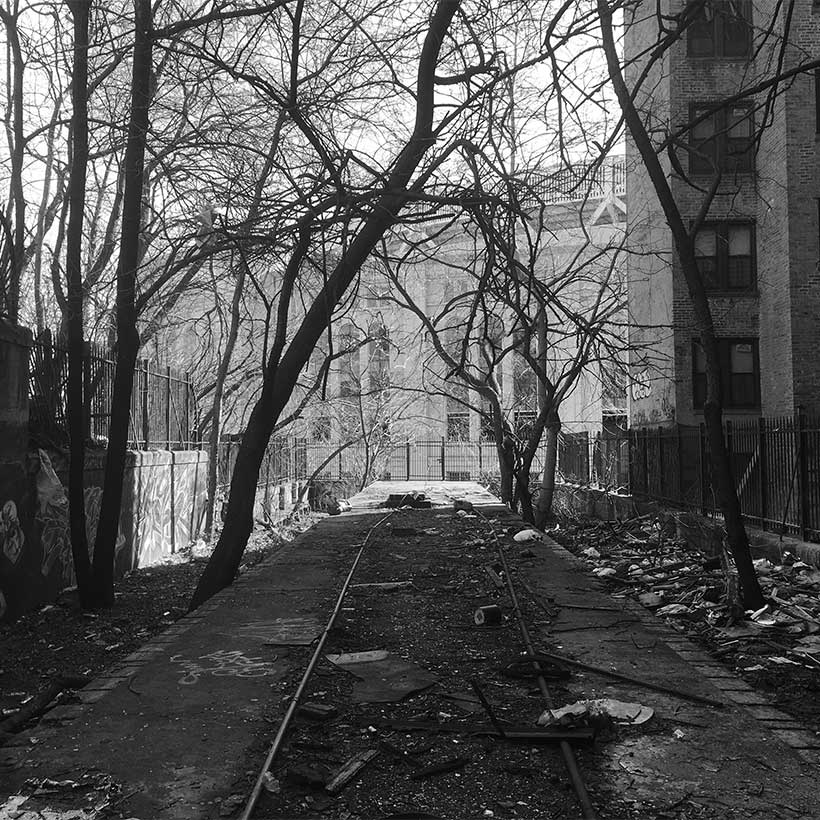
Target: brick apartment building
[{"x": 759, "y": 245}]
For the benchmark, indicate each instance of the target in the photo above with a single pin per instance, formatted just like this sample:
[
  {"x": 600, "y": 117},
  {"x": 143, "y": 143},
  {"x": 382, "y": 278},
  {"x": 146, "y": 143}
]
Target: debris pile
[{"x": 641, "y": 558}]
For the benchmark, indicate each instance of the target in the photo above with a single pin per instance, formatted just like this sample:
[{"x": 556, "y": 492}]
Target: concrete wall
[
  {"x": 276, "y": 501},
  {"x": 163, "y": 506}
]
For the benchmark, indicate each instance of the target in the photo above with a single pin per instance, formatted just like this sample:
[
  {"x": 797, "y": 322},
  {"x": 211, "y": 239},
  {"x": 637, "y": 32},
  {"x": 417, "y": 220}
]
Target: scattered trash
[
  {"x": 632, "y": 714},
  {"x": 650, "y": 600},
  {"x": 317, "y": 711},
  {"x": 383, "y": 678},
  {"x": 488, "y": 615},
  {"x": 494, "y": 572},
  {"x": 271, "y": 784},
  {"x": 416, "y": 500},
  {"x": 591, "y": 552},
  {"x": 673, "y": 610},
  {"x": 679, "y": 734},
  {"x": 349, "y": 770},
  {"x": 338, "y": 506},
  {"x": 528, "y": 535}
]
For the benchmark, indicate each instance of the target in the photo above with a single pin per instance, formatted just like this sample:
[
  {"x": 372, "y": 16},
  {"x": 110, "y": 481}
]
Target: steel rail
[
  {"x": 567, "y": 752},
  {"x": 300, "y": 690}
]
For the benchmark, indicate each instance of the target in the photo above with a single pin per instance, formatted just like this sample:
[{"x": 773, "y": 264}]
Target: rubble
[{"x": 642, "y": 558}]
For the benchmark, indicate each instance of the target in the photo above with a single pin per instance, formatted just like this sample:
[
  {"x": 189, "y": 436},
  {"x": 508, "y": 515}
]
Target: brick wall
[{"x": 779, "y": 196}]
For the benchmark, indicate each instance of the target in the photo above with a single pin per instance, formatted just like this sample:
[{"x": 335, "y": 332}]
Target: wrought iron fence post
[
  {"x": 442, "y": 458},
  {"x": 186, "y": 422},
  {"x": 803, "y": 475},
  {"x": 659, "y": 436},
  {"x": 146, "y": 427},
  {"x": 763, "y": 469},
  {"x": 407, "y": 459},
  {"x": 87, "y": 389},
  {"x": 645, "y": 458},
  {"x": 168, "y": 406}
]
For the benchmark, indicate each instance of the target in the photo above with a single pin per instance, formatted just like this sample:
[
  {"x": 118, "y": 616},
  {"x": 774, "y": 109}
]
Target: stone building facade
[{"x": 759, "y": 245}]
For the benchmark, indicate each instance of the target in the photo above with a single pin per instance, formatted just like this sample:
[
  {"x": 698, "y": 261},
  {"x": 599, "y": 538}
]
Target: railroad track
[{"x": 567, "y": 751}]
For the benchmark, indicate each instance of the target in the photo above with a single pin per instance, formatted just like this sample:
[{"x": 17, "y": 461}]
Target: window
[
  {"x": 349, "y": 364},
  {"x": 458, "y": 426},
  {"x": 725, "y": 254},
  {"x": 739, "y": 373},
  {"x": 719, "y": 28},
  {"x": 379, "y": 364},
  {"x": 723, "y": 140}
]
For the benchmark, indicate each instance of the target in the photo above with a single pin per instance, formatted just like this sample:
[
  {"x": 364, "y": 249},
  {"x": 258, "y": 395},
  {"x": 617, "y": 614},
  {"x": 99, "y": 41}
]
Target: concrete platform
[
  {"x": 440, "y": 493},
  {"x": 181, "y": 727}
]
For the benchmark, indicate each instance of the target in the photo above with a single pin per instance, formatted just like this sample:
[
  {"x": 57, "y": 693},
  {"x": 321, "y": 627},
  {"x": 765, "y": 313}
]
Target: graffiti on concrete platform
[
  {"x": 11, "y": 534},
  {"x": 223, "y": 663}
]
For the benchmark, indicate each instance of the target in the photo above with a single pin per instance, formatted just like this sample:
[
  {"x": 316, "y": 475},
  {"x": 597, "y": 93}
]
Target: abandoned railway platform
[{"x": 414, "y": 705}]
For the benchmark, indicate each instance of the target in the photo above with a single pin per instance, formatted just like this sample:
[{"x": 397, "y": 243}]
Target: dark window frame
[
  {"x": 723, "y": 154},
  {"x": 729, "y": 399},
  {"x": 722, "y": 256},
  {"x": 711, "y": 39}
]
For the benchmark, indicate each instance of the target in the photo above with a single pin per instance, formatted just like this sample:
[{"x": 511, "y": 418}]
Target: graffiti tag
[
  {"x": 11, "y": 534},
  {"x": 641, "y": 385},
  {"x": 223, "y": 663}
]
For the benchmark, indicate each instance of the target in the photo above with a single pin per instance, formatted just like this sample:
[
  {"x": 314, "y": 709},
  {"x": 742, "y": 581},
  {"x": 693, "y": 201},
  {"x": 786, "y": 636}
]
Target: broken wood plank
[{"x": 349, "y": 770}]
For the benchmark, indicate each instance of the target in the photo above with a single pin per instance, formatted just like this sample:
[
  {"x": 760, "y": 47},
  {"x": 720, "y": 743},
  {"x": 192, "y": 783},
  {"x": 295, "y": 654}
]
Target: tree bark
[
  {"x": 216, "y": 418},
  {"x": 281, "y": 374},
  {"x": 722, "y": 477},
  {"x": 80, "y": 9},
  {"x": 543, "y": 510},
  {"x": 127, "y": 336}
]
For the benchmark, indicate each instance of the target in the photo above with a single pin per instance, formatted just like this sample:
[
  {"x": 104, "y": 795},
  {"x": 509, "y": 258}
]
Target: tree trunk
[
  {"x": 543, "y": 512},
  {"x": 219, "y": 387},
  {"x": 280, "y": 376},
  {"x": 127, "y": 336},
  {"x": 722, "y": 477},
  {"x": 80, "y": 10}
]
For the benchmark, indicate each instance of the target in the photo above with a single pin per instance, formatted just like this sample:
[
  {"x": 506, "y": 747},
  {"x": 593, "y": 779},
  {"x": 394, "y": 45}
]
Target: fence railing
[
  {"x": 775, "y": 463},
  {"x": 163, "y": 403},
  {"x": 430, "y": 460}
]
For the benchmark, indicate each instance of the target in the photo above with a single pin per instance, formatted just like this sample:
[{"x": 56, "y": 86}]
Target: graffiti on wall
[{"x": 11, "y": 533}]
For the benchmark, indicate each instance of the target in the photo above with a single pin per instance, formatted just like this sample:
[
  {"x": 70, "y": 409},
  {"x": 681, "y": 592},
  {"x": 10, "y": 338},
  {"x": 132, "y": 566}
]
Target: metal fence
[
  {"x": 775, "y": 463},
  {"x": 162, "y": 400},
  {"x": 439, "y": 460}
]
